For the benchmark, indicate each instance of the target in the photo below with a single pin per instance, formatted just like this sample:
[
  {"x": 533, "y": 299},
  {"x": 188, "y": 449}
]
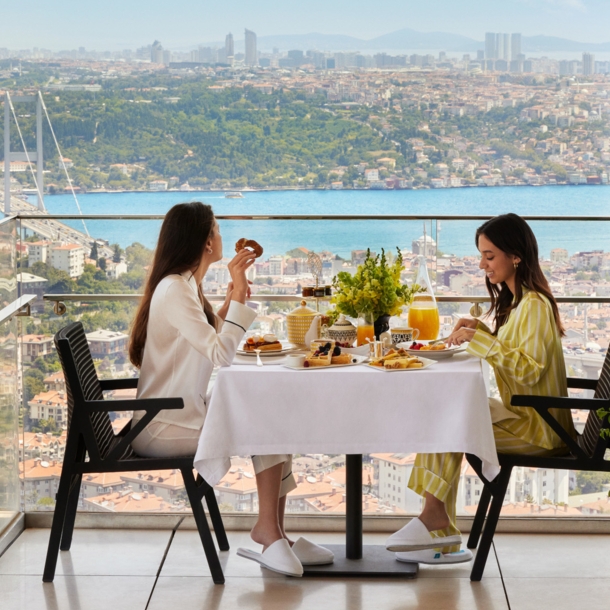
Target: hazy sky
[{"x": 124, "y": 24}]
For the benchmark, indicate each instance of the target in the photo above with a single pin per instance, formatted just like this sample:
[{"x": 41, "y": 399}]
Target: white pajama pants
[{"x": 168, "y": 440}]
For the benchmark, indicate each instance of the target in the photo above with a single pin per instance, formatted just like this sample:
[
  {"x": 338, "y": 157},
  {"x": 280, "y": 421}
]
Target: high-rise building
[
  {"x": 251, "y": 52},
  {"x": 515, "y": 46},
  {"x": 588, "y": 64},
  {"x": 503, "y": 46},
  {"x": 156, "y": 53},
  {"x": 490, "y": 46},
  {"x": 506, "y": 46},
  {"x": 229, "y": 46}
]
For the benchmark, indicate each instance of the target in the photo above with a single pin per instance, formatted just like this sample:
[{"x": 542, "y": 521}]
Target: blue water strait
[{"x": 341, "y": 237}]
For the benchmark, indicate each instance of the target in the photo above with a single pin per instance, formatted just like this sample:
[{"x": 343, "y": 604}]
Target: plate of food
[
  {"x": 268, "y": 344},
  {"x": 431, "y": 349},
  {"x": 325, "y": 355},
  {"x": 400, "y": 360}
]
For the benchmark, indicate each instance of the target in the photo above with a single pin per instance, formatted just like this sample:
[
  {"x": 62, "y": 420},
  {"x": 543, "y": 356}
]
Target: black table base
[
  {"x": 354, "y": 559},
  {"x": 376, "y": 562}
]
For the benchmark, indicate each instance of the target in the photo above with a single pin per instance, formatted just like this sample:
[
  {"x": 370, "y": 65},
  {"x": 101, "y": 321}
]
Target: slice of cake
[{"x": 266, "y": 343}]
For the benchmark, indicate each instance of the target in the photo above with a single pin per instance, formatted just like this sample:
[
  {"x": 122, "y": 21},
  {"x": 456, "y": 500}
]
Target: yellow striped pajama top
[{"x": 527, "y": 358}]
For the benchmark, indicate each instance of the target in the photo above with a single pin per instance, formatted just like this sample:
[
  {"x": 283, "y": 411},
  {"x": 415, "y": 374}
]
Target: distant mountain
[
  {"x": 406, "y": 40},
  {"x": 551, "y": 43},
  {"x": 319, "y": 42},
  {"x": 399, "y": 41}
]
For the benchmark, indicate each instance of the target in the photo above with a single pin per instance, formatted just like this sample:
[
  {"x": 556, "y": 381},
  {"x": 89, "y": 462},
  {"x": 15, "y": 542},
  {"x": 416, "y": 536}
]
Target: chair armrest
[
  {"x": 543, "y": 403},
  {"x": 129, "y": 383},
  {"x": 583, "y": 384},
  {"x": 139, "y": 404}
]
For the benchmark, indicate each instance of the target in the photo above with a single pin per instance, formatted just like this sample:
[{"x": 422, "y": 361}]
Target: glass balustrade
[
  {"x": 10, "y": 501},
  {"x": 576, "y": 260}
]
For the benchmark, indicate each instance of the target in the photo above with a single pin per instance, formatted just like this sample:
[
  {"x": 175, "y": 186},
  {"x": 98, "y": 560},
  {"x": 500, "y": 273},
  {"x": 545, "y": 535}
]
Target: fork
[{"x": 259, "y": 362}]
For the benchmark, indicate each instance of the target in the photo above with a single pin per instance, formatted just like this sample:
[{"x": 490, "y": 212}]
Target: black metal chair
[
  {"x": 586, "y": 452},
  {"x": 93, "y": 447}
]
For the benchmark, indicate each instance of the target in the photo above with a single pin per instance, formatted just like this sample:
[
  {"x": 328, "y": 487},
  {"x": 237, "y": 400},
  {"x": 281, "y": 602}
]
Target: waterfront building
[
  {"x": 34, "y": 346},
  {"x": 68, "y": 257},
  {"x": 50, "y": 405},
  {"x": 104, "y": 343}
]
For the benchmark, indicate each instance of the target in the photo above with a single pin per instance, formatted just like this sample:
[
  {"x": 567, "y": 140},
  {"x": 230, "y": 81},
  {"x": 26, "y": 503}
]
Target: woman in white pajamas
[{"x": 176, "y": 341}]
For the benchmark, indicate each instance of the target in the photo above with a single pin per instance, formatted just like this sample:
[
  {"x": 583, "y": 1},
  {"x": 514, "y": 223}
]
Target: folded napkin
[{"x": 314, "y": 332}]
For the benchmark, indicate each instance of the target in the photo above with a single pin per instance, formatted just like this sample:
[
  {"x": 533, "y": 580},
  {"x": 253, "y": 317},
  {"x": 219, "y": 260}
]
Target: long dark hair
[
  {"x": 511, "y": 234},
  {"x": 184, "y": 234}
]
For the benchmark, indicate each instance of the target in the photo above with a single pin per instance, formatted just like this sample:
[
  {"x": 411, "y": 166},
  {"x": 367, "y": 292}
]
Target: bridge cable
[{"x": 61, "y": 158}]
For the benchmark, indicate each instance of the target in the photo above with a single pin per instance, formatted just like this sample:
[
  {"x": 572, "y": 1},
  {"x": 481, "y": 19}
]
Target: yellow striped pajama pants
[{"x": 439, "y": 474}]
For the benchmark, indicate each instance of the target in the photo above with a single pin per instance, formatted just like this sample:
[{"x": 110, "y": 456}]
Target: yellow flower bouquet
[{"x": 375, "y": 288}]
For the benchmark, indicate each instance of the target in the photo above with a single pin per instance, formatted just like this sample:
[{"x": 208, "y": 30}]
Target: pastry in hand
[{"x": 251, "y": 244}]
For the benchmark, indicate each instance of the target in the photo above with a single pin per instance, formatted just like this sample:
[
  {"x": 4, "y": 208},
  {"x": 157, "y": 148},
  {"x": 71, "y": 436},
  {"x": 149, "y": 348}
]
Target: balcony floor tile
[
  {"x": 558, "y": 593},
  {"x": 94, "y": 552},
  {"x": 25, "y": 592},
  {"x": 328, "y": 594},
  {"x": 561, "y": 556}
]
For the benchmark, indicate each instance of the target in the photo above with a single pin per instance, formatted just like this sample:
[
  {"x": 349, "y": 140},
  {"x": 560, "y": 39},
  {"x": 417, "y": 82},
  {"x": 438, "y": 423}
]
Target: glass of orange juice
[
  {"x": 423, "y": 315},
  {"x": 366, "y": 328}
]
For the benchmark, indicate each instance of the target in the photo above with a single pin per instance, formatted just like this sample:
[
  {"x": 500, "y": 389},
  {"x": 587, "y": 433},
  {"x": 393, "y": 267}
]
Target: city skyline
[{"x": 67, "y": 26}]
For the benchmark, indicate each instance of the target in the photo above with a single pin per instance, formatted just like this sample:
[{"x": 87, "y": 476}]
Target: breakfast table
[{"x": 351, "y": 410}]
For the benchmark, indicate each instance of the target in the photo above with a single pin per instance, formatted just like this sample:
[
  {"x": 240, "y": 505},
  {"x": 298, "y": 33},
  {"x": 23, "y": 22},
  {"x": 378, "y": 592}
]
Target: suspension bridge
[{"x": 47, "y": 228}]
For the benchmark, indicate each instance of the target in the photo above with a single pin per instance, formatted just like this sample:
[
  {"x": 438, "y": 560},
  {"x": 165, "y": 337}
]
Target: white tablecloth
[{"x": 351, "y": 410}]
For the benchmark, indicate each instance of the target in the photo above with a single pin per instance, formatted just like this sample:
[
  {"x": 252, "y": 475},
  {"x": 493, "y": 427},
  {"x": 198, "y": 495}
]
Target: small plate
[
  {"x": 427, "y": 363},
  {"x": 272, "y": 352},
  {"x": 432, "y": 354},
  {"x": 359, "y": 360}
]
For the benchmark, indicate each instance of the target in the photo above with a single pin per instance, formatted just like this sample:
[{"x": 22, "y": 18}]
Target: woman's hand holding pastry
[{"x": 238, "y": 268}]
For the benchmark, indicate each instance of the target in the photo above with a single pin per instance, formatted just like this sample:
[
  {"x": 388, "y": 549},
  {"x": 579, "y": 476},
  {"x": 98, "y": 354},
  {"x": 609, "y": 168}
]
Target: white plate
[
  {"x": 362, "y": 350},
  {"x": 430, "y": 354},
  {"x": 427, "y": 363},
  {"x": 300, "y": 367},
  {"x": 276, "y": 352}
]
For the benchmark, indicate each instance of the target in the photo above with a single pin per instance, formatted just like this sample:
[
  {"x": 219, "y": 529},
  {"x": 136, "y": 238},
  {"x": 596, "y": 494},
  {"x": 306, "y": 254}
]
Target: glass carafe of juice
[
  {"x": 365, "y": 329},
  {"x": 423, "y": 312}
]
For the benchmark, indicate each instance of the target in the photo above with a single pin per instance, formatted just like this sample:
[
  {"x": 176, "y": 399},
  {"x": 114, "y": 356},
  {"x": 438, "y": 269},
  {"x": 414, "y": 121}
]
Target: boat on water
[{"x": 233, "y": 195}]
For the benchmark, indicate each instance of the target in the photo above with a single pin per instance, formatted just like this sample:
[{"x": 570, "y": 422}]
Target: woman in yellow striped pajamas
[{"x": 526, "y": 354}]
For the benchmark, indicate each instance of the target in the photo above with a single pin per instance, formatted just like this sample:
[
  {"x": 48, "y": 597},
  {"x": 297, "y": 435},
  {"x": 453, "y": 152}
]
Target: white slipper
[
  {"x": 278, "y": 557},
  {"x": 311, "y": 554},
  {"x": 432, "y": 557},
  {"x": 415, "y": 537}
]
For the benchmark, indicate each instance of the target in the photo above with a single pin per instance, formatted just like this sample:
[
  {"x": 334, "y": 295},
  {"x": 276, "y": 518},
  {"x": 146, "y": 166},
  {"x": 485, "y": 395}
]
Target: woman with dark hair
[
  {"x": 524, "y": 349},
  {"x": 176, "y": 341}
]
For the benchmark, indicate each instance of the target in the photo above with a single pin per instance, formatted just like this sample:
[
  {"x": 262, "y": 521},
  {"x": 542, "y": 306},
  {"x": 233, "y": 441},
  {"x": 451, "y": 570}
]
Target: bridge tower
[{"x": 9, "y": 156}]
